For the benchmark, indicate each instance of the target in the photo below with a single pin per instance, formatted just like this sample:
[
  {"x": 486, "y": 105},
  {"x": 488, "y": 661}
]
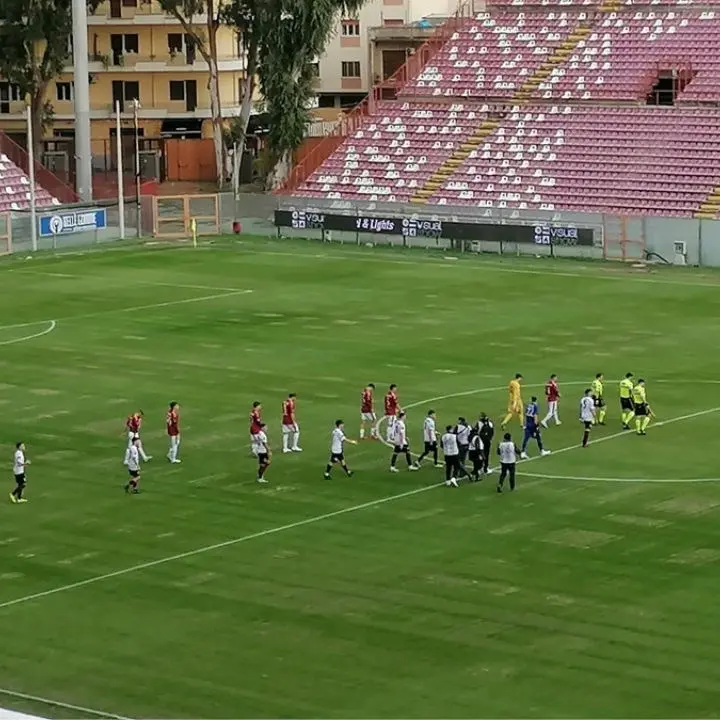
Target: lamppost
[{"x": 136, "y": 133}]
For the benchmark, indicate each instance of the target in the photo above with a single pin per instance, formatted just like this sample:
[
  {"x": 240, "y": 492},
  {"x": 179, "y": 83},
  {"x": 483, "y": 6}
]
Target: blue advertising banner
[{"x": 64, "y": 223}]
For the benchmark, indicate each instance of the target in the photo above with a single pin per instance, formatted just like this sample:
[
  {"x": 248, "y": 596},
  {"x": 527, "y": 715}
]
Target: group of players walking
[{"x": 466, "y": 447}]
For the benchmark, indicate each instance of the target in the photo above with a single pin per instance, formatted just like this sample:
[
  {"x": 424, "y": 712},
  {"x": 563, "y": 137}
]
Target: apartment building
[
  {"x": 372, "y": 45},
  {"x": 136, "y": 51}
]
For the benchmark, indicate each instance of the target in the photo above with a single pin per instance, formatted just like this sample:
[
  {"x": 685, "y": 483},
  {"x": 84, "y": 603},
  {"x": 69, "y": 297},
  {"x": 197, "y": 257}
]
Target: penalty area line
[
  {"x": 136, "y": 308},
  {"x": 59, "y": 704}
]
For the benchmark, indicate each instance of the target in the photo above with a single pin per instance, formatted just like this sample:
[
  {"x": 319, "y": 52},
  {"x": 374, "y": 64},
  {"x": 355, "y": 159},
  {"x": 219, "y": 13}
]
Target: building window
[
  {"x": 8, "y": 93},
  {"x": 350, "y": 28},
  {"x": 64, "y": 90},
  {"x": 177, "y": 90},
  {"x": 175, "y": 42},
  {"x": 129, "y": 3},
  {"x": 393, "y": 23},
  {"x": 131, "y": 90},
  {"x": 351, "y": 69},
  {"x": 132, "y": 44}
]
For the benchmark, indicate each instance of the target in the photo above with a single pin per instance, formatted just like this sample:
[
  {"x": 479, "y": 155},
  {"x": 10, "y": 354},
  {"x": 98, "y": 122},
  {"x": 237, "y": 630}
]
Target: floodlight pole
[
  {"x": 136, "y": 127},
  {"x": 121, "y": 186},
  {"x": 31, "y": 173},
  {"x": 81, "y": 83}
]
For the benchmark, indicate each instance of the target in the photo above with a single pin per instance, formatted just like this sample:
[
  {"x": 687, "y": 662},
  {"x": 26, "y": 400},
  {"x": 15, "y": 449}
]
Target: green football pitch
[{"x": 589, "y": 592}]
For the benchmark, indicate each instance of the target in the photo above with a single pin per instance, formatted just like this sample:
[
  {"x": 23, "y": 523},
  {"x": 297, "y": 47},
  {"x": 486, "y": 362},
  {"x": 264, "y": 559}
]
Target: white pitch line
[
  {"x": 59, "y": 704},
  {"x": 47, "y": 330},
  {"x": 136, "y": 308},
  {"x": 498, "y": 267},
  {"x": 216, "y": 546},
  {"x": 70, "y": 276},
  {"x": 315, "y": 518}
]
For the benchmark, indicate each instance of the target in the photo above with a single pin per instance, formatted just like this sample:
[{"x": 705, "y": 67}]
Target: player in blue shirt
[{"x": 532, "y": 428}]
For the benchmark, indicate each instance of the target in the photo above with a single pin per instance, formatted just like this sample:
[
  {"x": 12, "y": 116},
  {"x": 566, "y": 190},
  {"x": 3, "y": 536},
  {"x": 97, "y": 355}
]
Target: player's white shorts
[
  {"x": 287, "y": 429},
  {"x": 368, "y": 417}
]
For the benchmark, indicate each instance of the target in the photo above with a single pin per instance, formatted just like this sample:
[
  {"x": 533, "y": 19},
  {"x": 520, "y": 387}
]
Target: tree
[
  {"x": 204, "y": 37},
  {"x": 282, "y": 39},
  {"x": 35, "y": 49}
]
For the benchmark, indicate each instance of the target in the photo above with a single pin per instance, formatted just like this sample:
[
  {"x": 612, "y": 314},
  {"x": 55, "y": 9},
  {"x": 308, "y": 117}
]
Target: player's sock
[
  {"x": 347, "y": 470},
  {"x": 506, "y": 419},
  {"x": 285, "y": 438},
  {"x": 601, "y": 416},
  {"x": 295, "y": 440},
  {"x": 586, "y": 437},
  {"x": 19, "y": 492},
  {"x": 362, "y": 433},
  {"x": 408, "y": 459},
  {"x": 638, "y": 425},
  {"x": 645, "y": 423}
]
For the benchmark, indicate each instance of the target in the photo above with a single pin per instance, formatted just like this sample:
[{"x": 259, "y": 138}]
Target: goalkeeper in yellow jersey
[
  {"x": 597, "y": 389},
  {"x": 643, "y": 412},
  {"x": 515, "y": 403}
]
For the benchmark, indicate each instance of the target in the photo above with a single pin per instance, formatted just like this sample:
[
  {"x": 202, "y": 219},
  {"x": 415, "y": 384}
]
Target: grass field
[{"x": 590, "y": 592}]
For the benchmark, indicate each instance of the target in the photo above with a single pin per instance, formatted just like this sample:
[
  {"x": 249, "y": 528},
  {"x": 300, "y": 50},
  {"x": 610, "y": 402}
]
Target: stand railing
[
  {"x": 43, "y": 177},
  {"x": 385, "y": 90}
]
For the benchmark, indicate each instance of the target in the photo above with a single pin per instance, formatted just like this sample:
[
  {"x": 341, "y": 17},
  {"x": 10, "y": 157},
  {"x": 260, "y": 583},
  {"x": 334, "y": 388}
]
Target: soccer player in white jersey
[
  {"x": 587, "y": 414},
  {"x": 451, "y": 452},
  {"x": 429, "y": 439},
  {"x": 401, "y": 445},
  {"x": 19, "y": 464},
  {"x": 132, "y": 462},
  {"x": 337, "y": 450},
  {"x": 462, "y": 430},
  {"x": 508, "y": 452},
  {"x": 261, "y": 449}
]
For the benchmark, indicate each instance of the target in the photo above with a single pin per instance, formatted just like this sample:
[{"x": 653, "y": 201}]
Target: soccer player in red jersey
[
  {"x": 256, "y": 423},
  {"x": 392, "y": 405},
  {"x": 552, "y": 395},
  {"x": 367, "y": 411},
  {"x": 173, "y": 430},
  {"x": 133, "y": 425},
  {"x": 290, "y": 428}
]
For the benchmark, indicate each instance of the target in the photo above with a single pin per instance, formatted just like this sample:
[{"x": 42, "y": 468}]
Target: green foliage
[
  {"x": 26, "y": 24},
  {"x": 288, "y": 36}
]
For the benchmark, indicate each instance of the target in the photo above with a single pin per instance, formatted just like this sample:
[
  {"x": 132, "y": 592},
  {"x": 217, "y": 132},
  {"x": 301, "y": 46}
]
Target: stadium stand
[
  {"x": 15, "y": 188},
  {"x": 573, "y": 106}
]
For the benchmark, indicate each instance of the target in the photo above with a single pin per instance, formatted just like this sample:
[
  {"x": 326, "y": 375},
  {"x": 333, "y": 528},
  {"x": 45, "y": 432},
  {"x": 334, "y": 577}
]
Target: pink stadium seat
[
  {"x": 551, "y": 80},
  {"x": 15, "y": 188}
]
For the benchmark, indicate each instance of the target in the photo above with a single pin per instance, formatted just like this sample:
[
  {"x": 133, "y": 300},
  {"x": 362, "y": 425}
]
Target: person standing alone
[{"x": 508, "y": 452}]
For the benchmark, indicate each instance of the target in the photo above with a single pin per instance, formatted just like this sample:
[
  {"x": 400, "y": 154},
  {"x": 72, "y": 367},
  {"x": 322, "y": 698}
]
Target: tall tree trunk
[
  {"x": 280, "y": 171},
  {"x": 37, "y": 112},
  {"x": 214, "y": 88},
  {"x": 216, "y": 119},
  {"x": 248, "y": 91}
]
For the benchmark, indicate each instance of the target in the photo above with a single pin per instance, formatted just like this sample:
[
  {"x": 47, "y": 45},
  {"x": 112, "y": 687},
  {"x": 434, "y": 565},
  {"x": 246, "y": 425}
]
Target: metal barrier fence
[
  {"x": 693, "y": 241},
  {"x": 69, "y": 226}
]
